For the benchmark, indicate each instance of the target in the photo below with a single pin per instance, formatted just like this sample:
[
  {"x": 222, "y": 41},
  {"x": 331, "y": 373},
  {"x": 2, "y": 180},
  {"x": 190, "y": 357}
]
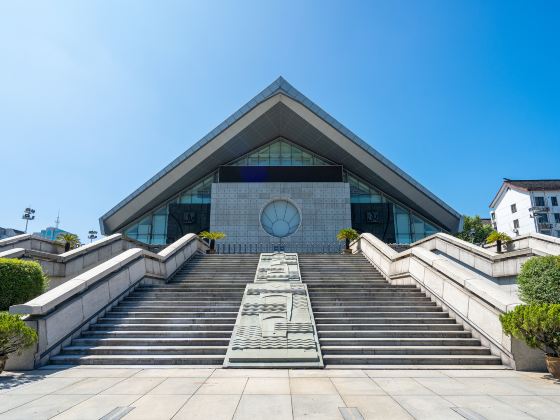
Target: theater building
[{"x": 280, "y": 170}]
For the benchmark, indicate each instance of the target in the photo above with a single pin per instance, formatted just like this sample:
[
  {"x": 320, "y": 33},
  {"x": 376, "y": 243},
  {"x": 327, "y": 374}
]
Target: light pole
[
  {"x": 92, "y": 234},
  {"x": 28, "y": 214}
]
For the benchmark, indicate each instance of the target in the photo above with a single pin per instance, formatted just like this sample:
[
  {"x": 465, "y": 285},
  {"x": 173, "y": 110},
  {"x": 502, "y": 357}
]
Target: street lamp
[
  {"x": 28, "y": 214},
  {"x": 92, "y": 234}
]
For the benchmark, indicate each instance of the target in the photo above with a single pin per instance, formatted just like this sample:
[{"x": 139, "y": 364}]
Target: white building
[{"x": 525, "y": 206}]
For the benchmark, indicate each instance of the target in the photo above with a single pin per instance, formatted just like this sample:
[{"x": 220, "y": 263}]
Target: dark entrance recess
[
  {"x": 374, "y": 218},
  {"x": 187, "y": 218},
  {"x": 281, "y": 173}
]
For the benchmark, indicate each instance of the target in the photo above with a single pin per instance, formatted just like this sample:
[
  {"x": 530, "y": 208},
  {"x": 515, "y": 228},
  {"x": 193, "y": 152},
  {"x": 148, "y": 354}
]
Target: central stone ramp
[
  {"x": 363, "y": 320},
  {"x": 274, "y": 327},
  {"x": 187, "y": 321}
]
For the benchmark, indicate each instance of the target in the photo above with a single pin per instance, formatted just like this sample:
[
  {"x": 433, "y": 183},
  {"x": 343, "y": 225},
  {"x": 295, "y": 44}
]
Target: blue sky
[{"x": 96, "y": 97}]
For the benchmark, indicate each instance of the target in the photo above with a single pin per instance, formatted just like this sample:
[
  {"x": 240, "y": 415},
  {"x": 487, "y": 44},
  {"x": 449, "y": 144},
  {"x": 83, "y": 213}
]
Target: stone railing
[
  {"x": 474, "y": 300},
  {"x": 31, "y": 242},
  {"x": 486, "y": 260},
  {"x": 62, "y": 313},
  {"x": 61, "y": 266}
]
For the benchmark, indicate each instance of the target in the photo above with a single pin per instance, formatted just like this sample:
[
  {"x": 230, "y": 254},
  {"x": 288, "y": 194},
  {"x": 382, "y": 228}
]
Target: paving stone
[
  {"x": 449, "y": 386},
  {"x": 377, "y": 407},
  {"x": 315, "y": 386},
  {"x": 270, "y": 407},
  {"x": 205, "y": 407},
  {"x": 373, "y": 373},
  {"x": 90, "y": 386},
  {"x": 223, "y": 386},
  {"x": 402, "y": 386},
  {"x": 174, "y": 373},
  {"x": 43, "y": 408},
  {"x": 538, "y": 407},
  {"x": 357, "y": 386},
  {"x": 151, "y": 407},
  {"x": 44, "y": 386},
  {"x": 317, "y": 407},
  {"x": 134, "y": 386},
  {"x": 178, "y": 386},
  {"x": 7, "y": 402},
  {"x": 97, "y": 372},
  {"x": 270, "y": 386},
  {"x": 327, "y": 373},
  {"x": 96, "y": 407},
  {"x": 250, "y": 373},
  {"x": 429, "y": 407},
  {"x": 488, "y": 407},
  {"x": 493, "y": 387}
]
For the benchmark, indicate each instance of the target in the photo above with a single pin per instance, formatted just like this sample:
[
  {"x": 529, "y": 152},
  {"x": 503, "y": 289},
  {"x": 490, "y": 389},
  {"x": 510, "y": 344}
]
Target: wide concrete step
[
  {"x": 321, "y": 311},
  {"x": 158, "y": 323},
  {"x": 337, "y": 306},
  {"x": 152, "y": 359},
  {"x": 349, "y": 359},
  {"x": 194, "y": 302},
  {"x": 342, "y": 337},
  {"x": 400, "y": 341},
  {"x": 160, "y": 334},
  {"x": 169, "y": 314},
  {"x": 142, "y": 307},
  {"x": 161, "y": 341},
  {"x": 404, "y": 350},
  {"x": 412, "y": 326},
  {"x": 380, "y": 319},
  {"x": 419, "y": 313},
  {"x": 146, "y": 350}
]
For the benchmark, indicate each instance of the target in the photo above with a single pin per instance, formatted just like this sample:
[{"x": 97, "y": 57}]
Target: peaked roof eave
[{"x": 279, "y": 86}]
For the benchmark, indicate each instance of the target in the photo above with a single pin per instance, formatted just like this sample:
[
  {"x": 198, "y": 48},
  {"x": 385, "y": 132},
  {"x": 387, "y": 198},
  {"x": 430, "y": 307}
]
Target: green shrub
[
  {"x": 537, "y": 325},
  {"x": 539, "y": 280},
  {"x": 20, "y": 281},
  {"x": 14, "y": 334}
]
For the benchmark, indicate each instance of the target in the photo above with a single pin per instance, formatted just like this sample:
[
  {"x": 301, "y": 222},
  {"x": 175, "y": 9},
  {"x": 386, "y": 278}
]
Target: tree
[
  {"x": 69, "y": 240},
  {"x": 212, "y": 237},
  {"x": 474, "y": 230},
  {"x": 347, "y": 235},
  {"x": 498, "y": 237}
]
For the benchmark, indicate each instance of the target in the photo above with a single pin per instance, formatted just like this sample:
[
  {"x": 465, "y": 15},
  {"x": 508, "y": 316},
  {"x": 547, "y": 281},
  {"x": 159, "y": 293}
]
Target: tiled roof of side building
[{"x": 534, "y": 184}]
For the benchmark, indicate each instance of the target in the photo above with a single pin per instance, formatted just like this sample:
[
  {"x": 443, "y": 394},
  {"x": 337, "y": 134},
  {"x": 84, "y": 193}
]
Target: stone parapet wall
[
  {"x": 64, "y": 312},
  {"x": 476, "y": 301}
]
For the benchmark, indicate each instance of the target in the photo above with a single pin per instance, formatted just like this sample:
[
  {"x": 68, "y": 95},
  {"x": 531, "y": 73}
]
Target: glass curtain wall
[
  {"x": 153, "y": 229},
  {"x": 408, "y": 227}
]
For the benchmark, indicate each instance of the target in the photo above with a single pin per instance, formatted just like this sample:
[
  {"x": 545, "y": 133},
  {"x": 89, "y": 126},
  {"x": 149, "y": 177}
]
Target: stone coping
[
  {"x": 476, "y": 284},
  {"x": 48, "y": 301}
]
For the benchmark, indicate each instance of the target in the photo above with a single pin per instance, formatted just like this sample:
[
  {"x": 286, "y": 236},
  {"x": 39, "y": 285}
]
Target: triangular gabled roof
[{"x": 280, "y": 110}]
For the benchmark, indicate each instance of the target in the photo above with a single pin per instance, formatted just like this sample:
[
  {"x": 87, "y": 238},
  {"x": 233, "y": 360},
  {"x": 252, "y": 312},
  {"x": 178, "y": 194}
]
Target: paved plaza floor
[{"x": 206, "y": 393}]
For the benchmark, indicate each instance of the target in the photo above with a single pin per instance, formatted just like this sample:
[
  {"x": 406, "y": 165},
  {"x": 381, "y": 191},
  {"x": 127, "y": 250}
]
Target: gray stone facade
[{"x": 324, "y": 209}]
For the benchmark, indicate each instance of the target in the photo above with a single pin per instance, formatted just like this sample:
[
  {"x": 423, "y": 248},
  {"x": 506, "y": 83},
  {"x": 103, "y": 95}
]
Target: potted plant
[
  {"x": 539, "y": 326},
  {"x": 347, "y": 235},
  {"x": 498, "y": 237},
  {"x": 14, "y": 336},
  {"x": 212, "y": 237},
  {"x": 69, "y": 240}
]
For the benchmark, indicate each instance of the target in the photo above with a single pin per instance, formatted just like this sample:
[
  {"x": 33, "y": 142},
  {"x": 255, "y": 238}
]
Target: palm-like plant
[
  {"x": 212, "y": 237},
  {"x": 347, "y": 235},
  {"x": 498, "y": 237},
  {"x": 69, "y": 240}
]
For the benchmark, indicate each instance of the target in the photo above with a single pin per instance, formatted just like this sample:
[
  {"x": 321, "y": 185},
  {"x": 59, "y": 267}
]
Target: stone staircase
[
  {"x": 187, "y": 321},
  {"x": 363, "y": 320}
]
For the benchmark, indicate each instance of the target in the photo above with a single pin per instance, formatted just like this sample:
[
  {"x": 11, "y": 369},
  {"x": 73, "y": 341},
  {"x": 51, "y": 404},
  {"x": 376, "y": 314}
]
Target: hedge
[
  {"x": 539, "y": 280},
  {"x": 20, "y": 281},
  {"x": 14, "y": 334},
  {"x": 537, "y": 325}
]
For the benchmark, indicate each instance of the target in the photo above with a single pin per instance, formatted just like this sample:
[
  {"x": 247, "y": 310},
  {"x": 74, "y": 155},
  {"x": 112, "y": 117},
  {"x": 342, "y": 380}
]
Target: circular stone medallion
[{"x": 280, "y": 218}]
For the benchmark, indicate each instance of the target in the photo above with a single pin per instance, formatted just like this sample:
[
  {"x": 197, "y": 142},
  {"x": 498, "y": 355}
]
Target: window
[
  {"x": 513, "y": 208},
  {"x": 539, "y": 201},
  {"x": 543, "y": 218},
  {"x": 516, "y": 224},
  {"x": 557, "y": 217},
  {"x": 553, "y": 201},
  {"x": 493, "y": 215}
]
